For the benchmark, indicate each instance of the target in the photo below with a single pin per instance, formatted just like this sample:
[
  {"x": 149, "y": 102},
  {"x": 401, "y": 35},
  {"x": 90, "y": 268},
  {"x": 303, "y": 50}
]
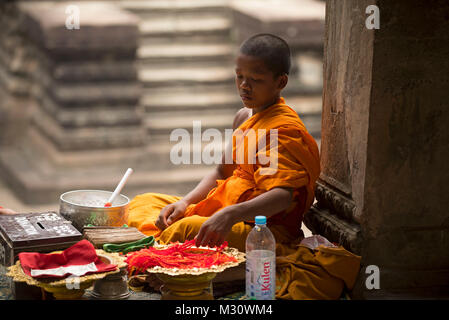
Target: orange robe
[{"x": 298, "y": 168}]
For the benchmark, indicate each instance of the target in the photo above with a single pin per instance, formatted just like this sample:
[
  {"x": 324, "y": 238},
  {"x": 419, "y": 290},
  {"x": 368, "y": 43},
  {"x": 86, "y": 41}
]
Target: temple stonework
[{"x": 383, "y": 188}]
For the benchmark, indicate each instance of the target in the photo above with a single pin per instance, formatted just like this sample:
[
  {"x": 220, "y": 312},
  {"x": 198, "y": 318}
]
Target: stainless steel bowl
[
  {"x": 112, "y": 287},
  {"x": 83, "y": 207}
]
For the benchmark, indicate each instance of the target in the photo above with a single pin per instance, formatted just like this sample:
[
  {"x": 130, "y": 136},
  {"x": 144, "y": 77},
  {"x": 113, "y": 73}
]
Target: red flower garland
[{"x": 181, "y": 256}]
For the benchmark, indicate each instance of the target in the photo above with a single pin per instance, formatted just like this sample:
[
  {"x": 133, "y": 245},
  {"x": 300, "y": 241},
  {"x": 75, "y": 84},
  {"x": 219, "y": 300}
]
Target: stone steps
[
  {"x": 38, "y": 187},
  {"x": 166, "y": 76},
  {"x": 185, "y": 26},
  {"x": 176, "y": 52},
  {"x": 199, "y": 98},
  {"x": 305, "y": 105},
  {"x": 155, "y": 8},
  {"x": 166, "y": 122}
]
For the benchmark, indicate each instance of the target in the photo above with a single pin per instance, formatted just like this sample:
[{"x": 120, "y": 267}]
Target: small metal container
[
  {"x": 112, "y": 287},
  {"x": 83, "y": 207}
]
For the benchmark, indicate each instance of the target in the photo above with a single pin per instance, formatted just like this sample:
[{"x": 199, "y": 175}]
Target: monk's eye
[
  {"x": 239, "y": 76},
  {"x": 256, "y": 80}
]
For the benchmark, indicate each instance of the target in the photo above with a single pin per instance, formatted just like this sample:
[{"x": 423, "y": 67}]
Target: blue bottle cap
[{"x": 261, "y": 220}]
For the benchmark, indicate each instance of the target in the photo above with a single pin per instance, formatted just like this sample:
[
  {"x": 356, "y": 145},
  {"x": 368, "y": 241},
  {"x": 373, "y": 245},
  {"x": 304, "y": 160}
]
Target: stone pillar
[
  {"x": 85, "y": 127},
  {"x": 384, "y": 150}
]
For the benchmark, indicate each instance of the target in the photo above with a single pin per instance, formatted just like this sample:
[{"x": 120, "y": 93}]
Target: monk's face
[{"x": 258, "y": 87}]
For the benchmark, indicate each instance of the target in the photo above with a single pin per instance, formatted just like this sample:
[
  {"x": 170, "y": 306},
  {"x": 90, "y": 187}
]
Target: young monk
[{"x": 223, "y": 205}]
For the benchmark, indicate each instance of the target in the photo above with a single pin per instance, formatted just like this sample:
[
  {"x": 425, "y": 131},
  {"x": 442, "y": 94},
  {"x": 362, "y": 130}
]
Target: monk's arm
[
  {"x": 6, "y": 211},
  {"x": 175, "y": 211},
  {"x": 216, "y": 228},
  {"x": 204, "y": 186},
  {"x": 267, "y": 204},
  {"x": 222, "y": 171}
]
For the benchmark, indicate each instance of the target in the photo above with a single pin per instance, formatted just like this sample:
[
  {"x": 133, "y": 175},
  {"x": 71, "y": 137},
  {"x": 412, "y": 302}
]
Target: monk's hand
[
  {"x": 214, "y": 231},
  {"x": 6, "y": 211},
  {"x": 171, "y": 213}
]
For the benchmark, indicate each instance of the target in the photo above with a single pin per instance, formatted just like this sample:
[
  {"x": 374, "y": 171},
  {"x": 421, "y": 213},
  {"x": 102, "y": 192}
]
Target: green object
[
  {"x": 129, "y": 246},
  {"x": 125, "y": 226}
]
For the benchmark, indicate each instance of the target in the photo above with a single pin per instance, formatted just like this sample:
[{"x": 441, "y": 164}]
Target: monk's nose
[{"x": 244, "y": 85}]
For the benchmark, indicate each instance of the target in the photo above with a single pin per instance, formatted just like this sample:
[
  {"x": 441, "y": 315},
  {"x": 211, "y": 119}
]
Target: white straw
[{"x": 120, "y": 185}]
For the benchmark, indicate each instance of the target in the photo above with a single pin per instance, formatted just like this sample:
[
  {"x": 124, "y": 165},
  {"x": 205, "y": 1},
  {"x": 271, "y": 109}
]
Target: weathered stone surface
[
  {"x": 346, "y": 89},
  {"x": 38, "y": 181},
  {"x": 408, "y": 131},
  {"x": 103, "y": 28},
  {"x": 384, "y": 146},
  {"x": 94, "y": 71},
  {"x": 404, "y": 283},
  {"x": 79, "y": 91},
  {"x": 82, "y": 94},
  {"x": 84, "y": 138},
  {"x": 409, "y": 248},
  {"x": 300, "y": 23},
  {"x": 346, "y": 234}
]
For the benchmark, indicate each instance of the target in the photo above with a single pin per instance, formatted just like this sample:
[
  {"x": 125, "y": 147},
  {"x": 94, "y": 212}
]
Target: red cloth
[{"x": 78, "y": 260}]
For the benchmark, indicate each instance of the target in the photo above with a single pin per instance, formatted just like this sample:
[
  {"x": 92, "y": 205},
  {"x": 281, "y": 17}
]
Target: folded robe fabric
[
  {"x": 78, "y": 260},
  {"x": 319, "y": 272}
]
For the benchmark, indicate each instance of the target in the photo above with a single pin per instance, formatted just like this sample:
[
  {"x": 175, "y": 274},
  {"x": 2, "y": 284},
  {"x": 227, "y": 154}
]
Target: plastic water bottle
[{"x": 260, "y": 262}]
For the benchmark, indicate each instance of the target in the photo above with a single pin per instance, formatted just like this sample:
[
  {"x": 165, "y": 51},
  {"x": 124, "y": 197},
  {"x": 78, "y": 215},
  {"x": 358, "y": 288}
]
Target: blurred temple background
[{"x": 80, "y": 106}]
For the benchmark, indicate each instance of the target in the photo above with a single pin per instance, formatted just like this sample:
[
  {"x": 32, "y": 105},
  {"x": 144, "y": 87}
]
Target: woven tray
[
  {"x": 17, "y": 273},
  {"x": 239, "y": 256}
]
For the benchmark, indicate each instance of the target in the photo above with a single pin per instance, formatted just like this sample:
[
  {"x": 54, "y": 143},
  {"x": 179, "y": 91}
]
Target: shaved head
[{"x": 273, "y": 50}]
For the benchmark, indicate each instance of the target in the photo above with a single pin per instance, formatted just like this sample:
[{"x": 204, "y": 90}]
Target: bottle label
[{"x": 261, "y": 275}]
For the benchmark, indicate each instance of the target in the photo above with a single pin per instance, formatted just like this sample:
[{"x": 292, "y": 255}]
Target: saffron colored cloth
[
  {"x": 321, "y": 273},
  {"x": 78, "y": 260},
  {"x": 297, "y": 168}
]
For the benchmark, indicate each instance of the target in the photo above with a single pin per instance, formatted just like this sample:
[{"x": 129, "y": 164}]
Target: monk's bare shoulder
[{"x": 241, "y": 116}]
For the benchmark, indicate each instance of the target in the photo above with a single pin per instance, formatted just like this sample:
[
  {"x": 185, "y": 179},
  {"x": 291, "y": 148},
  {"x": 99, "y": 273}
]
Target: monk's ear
[{"x": 282, "y": 81}]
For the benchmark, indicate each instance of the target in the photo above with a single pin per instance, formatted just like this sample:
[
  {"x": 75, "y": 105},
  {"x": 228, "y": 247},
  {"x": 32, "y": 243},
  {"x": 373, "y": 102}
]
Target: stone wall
[{"x": 383, "y": 190}]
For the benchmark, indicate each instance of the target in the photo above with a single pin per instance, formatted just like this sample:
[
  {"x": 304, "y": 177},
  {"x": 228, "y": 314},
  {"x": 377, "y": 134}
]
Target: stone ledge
[
  {"x": 300, "y": 23},
  {"x": 84, "y": 138},
  {"x": 91, "y": 115},
  {"x": 103, "y": 26},
  {"x": 334, "y": 229},
  {"x": 94, "y": 71}
]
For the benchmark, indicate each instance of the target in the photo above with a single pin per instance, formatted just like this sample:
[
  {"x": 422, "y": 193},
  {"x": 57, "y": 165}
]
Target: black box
[{"x": 33, "y": 232}]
